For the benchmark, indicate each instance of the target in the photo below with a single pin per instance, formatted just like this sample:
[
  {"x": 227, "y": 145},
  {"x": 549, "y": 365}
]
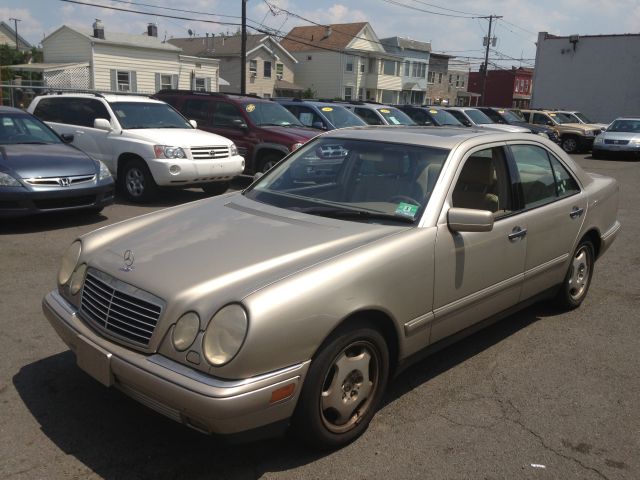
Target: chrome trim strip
[
  {"x": 532, "y": 272},
  {"x": 612, "y": 231},
  {"x": 414, "y": 326}
]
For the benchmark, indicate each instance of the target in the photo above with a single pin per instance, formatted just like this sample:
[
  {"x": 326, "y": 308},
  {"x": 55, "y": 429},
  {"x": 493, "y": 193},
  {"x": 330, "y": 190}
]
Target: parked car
[
  {"x": 472, "y": 117},
  {"x": 574, "y": 137},
  {"x": 503, "y": 116},
  {"x": 145, "y": 143},
  {"x": 420, "y": 234},
  {"x": 621, "y": 137},
  {"x": 427, "y": 115},
  {"x": 579, "y": 117},
  {"x": 321, "y": 115},
  {"x": 41, "y": 172},
  {"x": 378, "y": 114},
  {"x": 264, "y": 131}
]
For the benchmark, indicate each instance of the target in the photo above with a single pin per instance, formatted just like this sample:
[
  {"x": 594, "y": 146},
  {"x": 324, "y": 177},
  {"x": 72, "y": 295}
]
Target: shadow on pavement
[
  {"x": 117, "y": 438},
  {"x": 50, "y": 221}
]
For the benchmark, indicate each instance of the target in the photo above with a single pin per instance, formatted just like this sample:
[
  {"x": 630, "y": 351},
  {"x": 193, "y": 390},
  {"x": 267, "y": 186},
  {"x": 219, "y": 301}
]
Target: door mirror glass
[
  {"x": 102, "y": 124},
  {"x": 67, "y": 137},
  {"x": 469, "y": 220},
  {"x": 193, "y": 123}
]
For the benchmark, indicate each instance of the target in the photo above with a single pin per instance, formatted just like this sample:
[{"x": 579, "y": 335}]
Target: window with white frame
[
  {"x": 419, "y": 70},
  {"x": 348, "y": 67},
  {"x": 267, "y": 69},
  {"x": 166, "y": 82},
  {"x": 124, "y": 81},
  {"x": 431, "y": 77},
  {"x": 457, "y": 80},
  {"x": 407, "y": 66},
  {"x": 361, "y": 94},
  {"x": 253, "y": 67},
  {"x": 200, "y": 84},
  {"x": 348, "y": 93},
  {"x": 279, "y": 71},
  {"x": 363, "y": 63},
  {"x": 389, "y": 67},
  {"x": 373, "y": 65}
]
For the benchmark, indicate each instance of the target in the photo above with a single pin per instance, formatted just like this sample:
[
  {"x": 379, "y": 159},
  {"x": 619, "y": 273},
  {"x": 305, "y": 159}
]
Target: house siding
[
  {"x": 198, "y": 68},
  {"x": 323, "y": 73},
  {"x": 66, "y": 46}
]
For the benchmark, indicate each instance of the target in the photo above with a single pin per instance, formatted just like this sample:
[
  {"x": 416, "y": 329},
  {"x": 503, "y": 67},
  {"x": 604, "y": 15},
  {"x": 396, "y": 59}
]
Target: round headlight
[
  {"x": 186, "y": 331},
  {"x": 69, "y": 262},
  {"x": 225, "y": 334},
  {"x": 77, "y": 279}
]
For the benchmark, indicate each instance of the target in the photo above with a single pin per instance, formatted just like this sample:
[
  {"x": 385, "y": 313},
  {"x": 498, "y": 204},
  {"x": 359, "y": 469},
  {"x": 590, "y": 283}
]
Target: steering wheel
[{"x": 403, "y": 198}]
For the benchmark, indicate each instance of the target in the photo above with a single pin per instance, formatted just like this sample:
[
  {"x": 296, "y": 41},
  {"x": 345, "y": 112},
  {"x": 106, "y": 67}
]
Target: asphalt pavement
[{"x": 542, "y": 394}]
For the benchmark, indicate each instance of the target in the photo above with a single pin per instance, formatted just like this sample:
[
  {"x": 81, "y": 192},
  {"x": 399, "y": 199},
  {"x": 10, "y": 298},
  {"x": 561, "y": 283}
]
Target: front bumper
[
  {"x": 612, "y": 147},
  {"x": 194, "y": 172},
  {"x": 206, "y": 403},
  {"x": 21, "y": 201}
]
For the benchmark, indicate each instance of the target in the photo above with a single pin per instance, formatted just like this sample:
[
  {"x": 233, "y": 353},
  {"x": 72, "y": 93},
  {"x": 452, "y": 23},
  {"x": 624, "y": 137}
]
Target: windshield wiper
[
  {"x": 351, "y": 213},
  {"x": 30, "y": 143}
]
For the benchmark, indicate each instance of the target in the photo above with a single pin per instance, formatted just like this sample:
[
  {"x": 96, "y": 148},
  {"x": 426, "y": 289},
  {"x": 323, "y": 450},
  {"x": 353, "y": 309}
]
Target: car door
[
  {"x": 553, "y": 212},
  {"x": 229, "y": 122},
  {"x": 93, "y": 141},
  {"x": 478, "y": 274}
]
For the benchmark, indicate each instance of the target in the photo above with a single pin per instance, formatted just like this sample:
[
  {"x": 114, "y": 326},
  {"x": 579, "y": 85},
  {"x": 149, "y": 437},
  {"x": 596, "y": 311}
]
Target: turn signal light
[{"x": 282, "y": 393}]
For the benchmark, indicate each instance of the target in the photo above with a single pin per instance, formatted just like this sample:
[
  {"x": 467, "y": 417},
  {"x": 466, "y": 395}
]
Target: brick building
[{"x": 505, "y": 88}]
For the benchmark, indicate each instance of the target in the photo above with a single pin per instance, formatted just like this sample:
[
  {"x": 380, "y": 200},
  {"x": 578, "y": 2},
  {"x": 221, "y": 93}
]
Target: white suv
[{"x": 145, "y": 143}]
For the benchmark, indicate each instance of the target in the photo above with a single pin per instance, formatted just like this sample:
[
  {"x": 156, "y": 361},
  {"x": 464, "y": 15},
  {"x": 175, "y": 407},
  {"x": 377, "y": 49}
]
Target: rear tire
[
  {"x": 136, "y": 181},
  {"x": 570, "y": 144},
  {"x": 578, "y": 278},
  {"x": 215, "y": 188},
  {"x": 268, "y": 162},
  {"x": 344, "y": 387}
]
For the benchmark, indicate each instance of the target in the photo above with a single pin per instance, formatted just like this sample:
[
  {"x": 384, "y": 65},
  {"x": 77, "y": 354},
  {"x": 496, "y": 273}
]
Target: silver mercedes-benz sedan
[{"x": 294, "y": 302}]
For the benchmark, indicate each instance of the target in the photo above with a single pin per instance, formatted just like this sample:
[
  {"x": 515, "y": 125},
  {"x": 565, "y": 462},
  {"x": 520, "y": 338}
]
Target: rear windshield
[
  {"x": 341, "y": 117},
  {"x": 270, "y": 113},
  {"x": 393, "y": 116},
  {"x": 478, "y": 117}
]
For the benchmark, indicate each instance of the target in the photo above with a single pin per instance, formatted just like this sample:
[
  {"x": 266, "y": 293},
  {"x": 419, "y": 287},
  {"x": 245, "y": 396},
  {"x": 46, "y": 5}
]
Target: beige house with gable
[
  {"x": 269, "y": 66},
  {"x": 105, "y": 60},
  {"x": 345, "y": 61}
]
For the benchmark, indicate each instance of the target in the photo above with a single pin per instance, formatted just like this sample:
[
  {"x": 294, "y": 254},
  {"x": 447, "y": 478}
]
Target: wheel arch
[
  {"x": 124, "y": 158},
  {"x": 593, "y": 236}
]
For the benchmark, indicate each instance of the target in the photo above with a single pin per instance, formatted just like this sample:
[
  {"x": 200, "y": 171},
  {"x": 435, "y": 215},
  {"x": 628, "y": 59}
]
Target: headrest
[
  {"x": 477, "y": 170},
  {"x": 392, "y": 162}
]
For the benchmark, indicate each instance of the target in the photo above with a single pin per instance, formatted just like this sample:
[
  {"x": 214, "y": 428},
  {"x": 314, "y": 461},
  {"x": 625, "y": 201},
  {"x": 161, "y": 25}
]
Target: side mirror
[
  {"x": 469, "y": 220},
  {"x": 193, "y": 123},
  {"x": 239, "y": 123},
  {"x": 102, "y": 124},
  {"x": 67, "y": 137}
]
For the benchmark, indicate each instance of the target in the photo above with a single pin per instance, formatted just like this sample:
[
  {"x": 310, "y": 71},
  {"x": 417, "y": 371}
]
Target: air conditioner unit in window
[
  {"x": 253, "y": 74},
  {"x": 279, "y": 76}
]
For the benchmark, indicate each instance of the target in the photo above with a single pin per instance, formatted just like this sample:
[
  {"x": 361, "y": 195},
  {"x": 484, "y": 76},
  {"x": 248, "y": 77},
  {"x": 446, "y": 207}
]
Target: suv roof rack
[
  {"x": 208, "y": 94},
  {"x": 54, "y": 91}
]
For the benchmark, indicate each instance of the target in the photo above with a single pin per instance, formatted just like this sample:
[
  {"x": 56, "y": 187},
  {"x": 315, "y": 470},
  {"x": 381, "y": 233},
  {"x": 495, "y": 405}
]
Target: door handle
[
  {"x": 78, "y": 132},
  {"x": 576, "y": 212},
  {"x": 517, "y": 233}
]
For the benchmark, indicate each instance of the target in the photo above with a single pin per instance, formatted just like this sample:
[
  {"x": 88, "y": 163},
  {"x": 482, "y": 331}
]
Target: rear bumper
[
  {"x": 19, "y": 201},
  {"x": 203, "y": 402}
]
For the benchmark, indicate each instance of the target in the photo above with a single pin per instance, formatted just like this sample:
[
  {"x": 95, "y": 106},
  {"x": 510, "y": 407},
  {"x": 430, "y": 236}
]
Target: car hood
[
  {"x": 620, "y": 136},
  {"x": 533, "y": 127},
  {"x": 296, "y": 134},
  {"x": 178, "y": 137},
  {"x": 229, "y": 246},
  {"x": 49, "y": 160}
]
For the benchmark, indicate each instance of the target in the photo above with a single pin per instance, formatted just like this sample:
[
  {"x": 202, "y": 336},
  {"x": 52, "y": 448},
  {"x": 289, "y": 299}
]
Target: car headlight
[
  {"x": 588, "y": 133},
  {"x": 296, "y": 146},
  {"x": 233, "y": 150},
  {"x": 636, "y": 141},
  {"x": 186, "y": 331},
  {"x": 225, "y": 334},
  {"x": 599, "y": 139},
  {"x": 543, "y": 134},
  {"x": 7, "y": 180},
  {"x": 77, "y": 279},
  {"x": 104, "y": 171},
  {"x": 69, "y": 262},
  {"x": 164, "y": 151}
]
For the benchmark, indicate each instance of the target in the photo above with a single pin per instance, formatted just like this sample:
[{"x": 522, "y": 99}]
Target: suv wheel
[
  {"x": 570, "y": 144},
  {"x": 136, "y": 181},
  {"x": 268, "y": 161}
]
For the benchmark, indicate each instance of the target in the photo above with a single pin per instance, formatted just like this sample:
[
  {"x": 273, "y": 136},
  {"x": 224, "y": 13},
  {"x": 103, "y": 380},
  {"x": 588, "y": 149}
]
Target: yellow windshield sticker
[
  {"x": 384, "y": 110},
  {"x": 435, "y": 112},
  {"x": 327, "y": 109},
  {"x": 250, "y": 108},
  {"x": 552, "y": 114},
  {"x": 500, "y": 111}
]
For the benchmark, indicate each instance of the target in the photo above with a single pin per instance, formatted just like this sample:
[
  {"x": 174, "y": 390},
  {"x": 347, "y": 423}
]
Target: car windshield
[
  {"x": 444, "y": 118},
  {"x": 562, "y": 118},
  {"x": 132, "y": 115},
  {"x": 628, "y": 126},
  {"x": 478, "y": 117},
  {"x": 341, "y": 117},
  {"x": 509, "y": 116},
  {"x": 582, "y": 117},
  {"x": 20, "y": 128},
  {"x": 271, "y": 113},
  {"x": 518, "y": 114},
  {"x": 357, "y": 180},
  {"x": 393, "y": 116}
]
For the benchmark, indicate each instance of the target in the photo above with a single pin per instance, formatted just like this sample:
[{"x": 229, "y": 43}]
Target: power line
[
  {"x": 399, "y": 4},
  {"x": 443, "y": 8},
  {"x": 175, "y": 9}
]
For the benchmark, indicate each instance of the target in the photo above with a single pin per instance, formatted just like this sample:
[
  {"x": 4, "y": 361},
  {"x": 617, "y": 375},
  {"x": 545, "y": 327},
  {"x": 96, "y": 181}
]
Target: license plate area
[{"x": 94, "y": 360}]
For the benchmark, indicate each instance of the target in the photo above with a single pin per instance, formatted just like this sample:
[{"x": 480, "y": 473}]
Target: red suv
[{"x": 264, "y": 131}]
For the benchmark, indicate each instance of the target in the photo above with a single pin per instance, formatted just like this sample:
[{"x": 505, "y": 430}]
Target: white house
[
  {"x": 415, "y": 66},
  {"x": 269, "y": 66},
  {"x": 110, "y": 61},
  {"x": 345, "y": 61}
]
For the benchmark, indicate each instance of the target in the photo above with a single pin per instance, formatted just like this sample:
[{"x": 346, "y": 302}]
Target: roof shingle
[{"x": 303, "y": 39}]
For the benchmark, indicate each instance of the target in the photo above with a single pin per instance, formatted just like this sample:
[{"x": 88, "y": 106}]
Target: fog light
[
  {"x": 77, "y": 279},
  {"x": 174, "y": 169}
]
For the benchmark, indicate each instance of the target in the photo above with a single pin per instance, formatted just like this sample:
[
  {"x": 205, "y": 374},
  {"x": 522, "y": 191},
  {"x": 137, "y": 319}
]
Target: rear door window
[
  {"x": 369, "y": 116},
  {"x": 198, "y": 110},
  {"x": 227, "y": 115}
]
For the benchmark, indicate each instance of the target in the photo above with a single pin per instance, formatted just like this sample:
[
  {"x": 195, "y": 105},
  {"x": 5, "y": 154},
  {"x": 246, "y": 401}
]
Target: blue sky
[{"x": 456, "y": 34}]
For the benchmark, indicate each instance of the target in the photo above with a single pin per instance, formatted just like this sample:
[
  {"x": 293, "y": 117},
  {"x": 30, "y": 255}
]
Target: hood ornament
[{"x": 128, "y": 259}]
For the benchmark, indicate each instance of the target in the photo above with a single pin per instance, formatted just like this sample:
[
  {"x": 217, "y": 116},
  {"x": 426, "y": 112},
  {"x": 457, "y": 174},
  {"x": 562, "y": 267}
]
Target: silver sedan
[
  {"x": 622, "y": 136},
  {"x": 294, "y": 302}
]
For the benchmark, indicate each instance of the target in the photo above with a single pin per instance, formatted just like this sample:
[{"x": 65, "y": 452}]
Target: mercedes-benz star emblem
[{"x": 128, "y": 261}]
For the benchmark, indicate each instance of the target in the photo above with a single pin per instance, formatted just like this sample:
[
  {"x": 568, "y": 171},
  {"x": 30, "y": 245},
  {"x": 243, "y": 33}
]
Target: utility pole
[
  {"x": 486, "y": 58},
  {"x": 243, "y": 50},
  {"x": 15, "y": 23}
]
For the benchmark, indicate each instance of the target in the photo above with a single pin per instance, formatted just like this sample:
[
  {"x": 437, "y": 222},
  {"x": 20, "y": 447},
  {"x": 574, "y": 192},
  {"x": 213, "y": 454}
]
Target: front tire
[
  {"x": 136, "y": 181},
  {"x": 215, "y": 188},
  {"x": 570, "y": 144},
  {"x": 269, "y": 162},
  {"x": 344, "y": 387},
  {"x": 578, "y": 278}
]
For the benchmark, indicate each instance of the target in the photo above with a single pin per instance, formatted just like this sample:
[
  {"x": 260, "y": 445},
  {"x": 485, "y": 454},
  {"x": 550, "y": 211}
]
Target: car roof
[
  {"x": 11, "y": 110},
  {"x": 109, "y": 97},
  {"x": 439, "y": 137}
]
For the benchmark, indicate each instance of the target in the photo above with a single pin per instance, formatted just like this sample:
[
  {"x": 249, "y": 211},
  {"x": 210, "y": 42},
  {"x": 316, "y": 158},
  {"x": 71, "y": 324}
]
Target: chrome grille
[
  {"x": 121, "y": 309},
  {"x": 59, "y": 181},
  {"x": 616, "y": 142},
  {"x": 209, "y": 153}
]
